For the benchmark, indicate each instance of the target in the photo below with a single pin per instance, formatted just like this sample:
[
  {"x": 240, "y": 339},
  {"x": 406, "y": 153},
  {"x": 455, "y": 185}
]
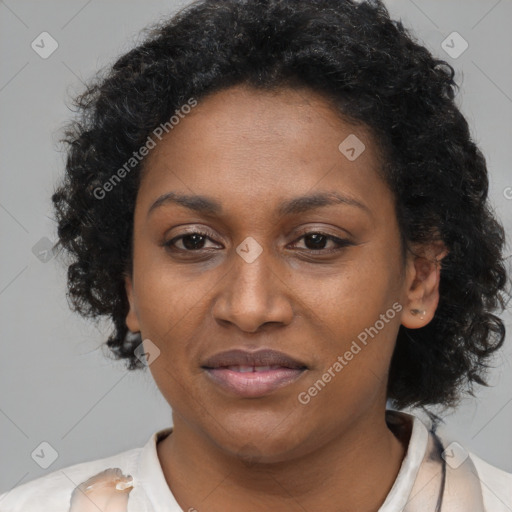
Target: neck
[{"x": 353, "y": 471}]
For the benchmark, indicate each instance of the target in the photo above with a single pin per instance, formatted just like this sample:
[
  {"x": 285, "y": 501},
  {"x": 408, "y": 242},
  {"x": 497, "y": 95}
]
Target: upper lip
[{"x": 264, "y": 357}]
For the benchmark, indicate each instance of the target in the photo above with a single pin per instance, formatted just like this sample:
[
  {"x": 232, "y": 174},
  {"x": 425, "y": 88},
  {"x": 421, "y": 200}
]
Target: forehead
[
  {"x": 297, "y": 120},
  {"x": 258, "y": 146}
]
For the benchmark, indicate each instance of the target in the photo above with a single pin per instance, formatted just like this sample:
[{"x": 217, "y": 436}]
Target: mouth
[{"x": 252, "y": 374}]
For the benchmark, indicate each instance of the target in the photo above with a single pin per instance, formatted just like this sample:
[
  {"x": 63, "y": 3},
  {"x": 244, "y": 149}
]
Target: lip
[{"x": 252, "y": 374}]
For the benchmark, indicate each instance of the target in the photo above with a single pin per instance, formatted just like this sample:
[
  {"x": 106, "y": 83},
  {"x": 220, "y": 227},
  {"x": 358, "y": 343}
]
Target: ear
[
  {"x": 132, "y": 321},
  {"x": 422, "y": 284}
]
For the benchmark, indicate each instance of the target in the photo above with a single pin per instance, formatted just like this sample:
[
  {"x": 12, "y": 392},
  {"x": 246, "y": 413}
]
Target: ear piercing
[{"x": 420, "y": 312}]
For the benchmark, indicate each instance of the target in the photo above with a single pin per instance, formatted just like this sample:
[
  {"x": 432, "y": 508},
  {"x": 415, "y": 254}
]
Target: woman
[{"x": 280, "y": 207}]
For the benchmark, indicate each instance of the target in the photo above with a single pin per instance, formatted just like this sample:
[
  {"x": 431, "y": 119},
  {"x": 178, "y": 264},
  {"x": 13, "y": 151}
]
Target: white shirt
[{"x": 150, "y": 492}]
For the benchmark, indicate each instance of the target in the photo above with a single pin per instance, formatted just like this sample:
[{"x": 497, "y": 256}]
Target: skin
[{"x": 251, "y": 150}]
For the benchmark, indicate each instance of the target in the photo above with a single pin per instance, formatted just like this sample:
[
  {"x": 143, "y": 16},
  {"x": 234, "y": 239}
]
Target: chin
[{"x": 260, "y": 443}]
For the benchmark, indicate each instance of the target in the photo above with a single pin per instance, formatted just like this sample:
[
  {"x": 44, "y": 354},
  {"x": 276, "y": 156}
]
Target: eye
[
  {"x": 193, "y": 241},
  {"x": 316, "y": 242}
]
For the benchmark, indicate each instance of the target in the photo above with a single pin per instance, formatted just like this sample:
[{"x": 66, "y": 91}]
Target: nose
[{"x": 252, "y": 295}]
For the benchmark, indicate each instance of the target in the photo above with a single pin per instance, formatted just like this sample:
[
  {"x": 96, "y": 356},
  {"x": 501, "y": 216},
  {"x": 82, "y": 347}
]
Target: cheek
[
  {"x": 172, "y": 307},
  {"x": 354, "y": 372},
  {"x": 357, "y": 313},
  {"x": 353, "y": 296},
  {"x": 165, "y": 293}
]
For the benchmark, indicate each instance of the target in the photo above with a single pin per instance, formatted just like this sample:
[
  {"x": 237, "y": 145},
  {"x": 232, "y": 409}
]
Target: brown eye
[
  {"x": 190, "y": 242},
  {"x": 193, "y": 242},
  {"x": 317, "y": 241}
]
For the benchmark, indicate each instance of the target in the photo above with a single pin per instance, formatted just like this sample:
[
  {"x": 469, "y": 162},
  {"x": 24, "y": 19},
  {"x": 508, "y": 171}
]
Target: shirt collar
[
  {"x": 152, "y": 478},
  {"x": 399, "y": 494}
]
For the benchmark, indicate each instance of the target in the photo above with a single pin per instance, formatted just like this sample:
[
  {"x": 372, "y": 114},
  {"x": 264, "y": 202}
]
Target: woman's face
[{"x": 263, "y": 273}]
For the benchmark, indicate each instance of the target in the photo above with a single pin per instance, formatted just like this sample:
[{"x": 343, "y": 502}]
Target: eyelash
[{"x": 342, "y": 243}]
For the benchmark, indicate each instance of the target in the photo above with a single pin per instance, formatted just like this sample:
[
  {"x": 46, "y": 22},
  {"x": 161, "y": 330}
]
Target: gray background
[{"x": 57, "y": 386}]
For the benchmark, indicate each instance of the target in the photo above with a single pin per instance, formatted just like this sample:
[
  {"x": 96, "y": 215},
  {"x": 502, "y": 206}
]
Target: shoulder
[
  {"x": 53, "y": 491},
  {"x": 469, "y": 478},
  {"x": 496, "y": 485}
]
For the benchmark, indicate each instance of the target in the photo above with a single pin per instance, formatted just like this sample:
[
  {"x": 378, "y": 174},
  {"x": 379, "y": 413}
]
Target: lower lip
[{"x": 253, "y": 384}]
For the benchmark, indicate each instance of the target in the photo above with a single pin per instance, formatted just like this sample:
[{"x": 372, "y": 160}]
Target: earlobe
[
  {"x": 423, "y": 280},
  {"x": 132, "y": 321}
]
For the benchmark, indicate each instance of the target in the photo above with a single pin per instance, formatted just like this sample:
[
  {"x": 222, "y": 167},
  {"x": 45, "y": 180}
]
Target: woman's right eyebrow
[{"x": 198, "y": 203}]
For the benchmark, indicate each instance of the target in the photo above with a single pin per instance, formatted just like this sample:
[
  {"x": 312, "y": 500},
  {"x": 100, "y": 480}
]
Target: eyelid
[
  {"x": 193, "y": 230},
  {"x": 320, "y": 230}
]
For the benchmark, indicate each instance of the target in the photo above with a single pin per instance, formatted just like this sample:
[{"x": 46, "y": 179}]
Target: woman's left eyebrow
[
  {"x": 309, "y": 202},
  {"x": 208, "y": 205}
]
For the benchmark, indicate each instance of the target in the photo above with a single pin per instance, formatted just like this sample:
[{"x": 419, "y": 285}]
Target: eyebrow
[{"x": 209, "y": 206}]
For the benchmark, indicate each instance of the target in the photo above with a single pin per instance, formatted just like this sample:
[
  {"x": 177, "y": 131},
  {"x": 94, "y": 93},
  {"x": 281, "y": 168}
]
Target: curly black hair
[{"x": 375, "y": 73}]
